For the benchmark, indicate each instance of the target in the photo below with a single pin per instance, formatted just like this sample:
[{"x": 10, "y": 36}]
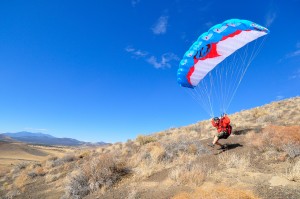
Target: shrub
[
  {"x": 21, "y": 180},
  {"x": 189, "y": 174},
  {"x": 53, "y": 177},
  {"x": 280, "y": 138},
  {"x": 293, "y": 172},
  {"x": 232, "y": 160},
  {"x": 142, "y": 140},
  {"x": 98, "y": 172},
  {"x": 37, "y": 172},
  {"x": 104, "y": 171},
  {"x": 52, "y": 158},
  {"x": 20, "y": 166},
  {"x": 292, "y": 149},
  {"x": 77, "y": 185},
  {"x": 12, "y": 193},
  {"x": 68, "y": 158},
  {"x": 174, "y": 148},
  {"x": 157, "y": 153},
  {"x": 53, "y": 162}
]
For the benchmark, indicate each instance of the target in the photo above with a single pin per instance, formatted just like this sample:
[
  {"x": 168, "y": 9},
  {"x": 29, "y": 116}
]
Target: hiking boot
[
  {"x": 223, "y": 147},
  {"x": 211, "y": 145}
]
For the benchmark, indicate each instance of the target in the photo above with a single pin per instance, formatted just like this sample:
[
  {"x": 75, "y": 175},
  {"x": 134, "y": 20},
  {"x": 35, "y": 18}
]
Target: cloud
[
  {"x": 271, "y": 15},
  {"x": 296, "y": 53},
  {"x": 136, "y": 52},
  {"x": 164, "y": 61},
  {"x": 160, "y": 27},
  {"x": 270, "y": 19},
  {"x": 135, "y": 2},
  {"x": 293, "y": 54},
  {"x": 295, "y": 75},
  {"x": 35, "y": 129}
]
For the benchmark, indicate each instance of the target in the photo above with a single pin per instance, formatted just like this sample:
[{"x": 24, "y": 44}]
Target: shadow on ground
[{"x": 233, "y": 146}]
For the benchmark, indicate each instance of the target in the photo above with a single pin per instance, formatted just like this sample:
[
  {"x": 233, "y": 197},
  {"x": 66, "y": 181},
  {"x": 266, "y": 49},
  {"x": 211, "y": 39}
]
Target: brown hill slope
[{"x": 262, "y": 161}]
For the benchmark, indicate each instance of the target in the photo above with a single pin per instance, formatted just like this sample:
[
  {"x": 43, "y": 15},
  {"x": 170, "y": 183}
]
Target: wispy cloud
[
  {"x": 136, "y": 52},
  {"x": 35, "y": 129},
  {"x": 135, "y": 2},
  {"x": 271, "y": 15},
  {"x": 160, "y": 27},
  {"x": 296, "y": 53},
  {"x": 164, "y": 61},
  {"x": 292, "y": 54},
  {"x": 295, "y": 75},
  {"x": 270, "y": 19}
]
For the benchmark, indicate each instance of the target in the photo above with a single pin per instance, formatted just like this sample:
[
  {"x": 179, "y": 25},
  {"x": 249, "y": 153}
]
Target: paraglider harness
[{"x": 226, "y": 133}]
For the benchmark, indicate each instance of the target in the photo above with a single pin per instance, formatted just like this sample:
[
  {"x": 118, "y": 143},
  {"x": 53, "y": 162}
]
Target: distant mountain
[
  {"x": 6, "y": 138},
  {"x": 45, "y": 139},
  {"x": 27, "y": 134}
]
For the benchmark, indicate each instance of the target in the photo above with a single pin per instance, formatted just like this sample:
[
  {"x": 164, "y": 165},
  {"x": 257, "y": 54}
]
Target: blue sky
[{"x": 106, "y": 70}]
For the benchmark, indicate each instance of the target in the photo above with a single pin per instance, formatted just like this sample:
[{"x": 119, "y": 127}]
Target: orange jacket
[{"x": 223, "y": 125}]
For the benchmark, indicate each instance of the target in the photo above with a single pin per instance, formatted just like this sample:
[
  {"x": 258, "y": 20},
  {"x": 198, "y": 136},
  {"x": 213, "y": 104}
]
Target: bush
[
  {"x": 77, "y": 185},
  {"x": 37, "y": 172},
  {"x": 53, "y": 162},
  {"x": 68, "y": 158},
  {"x": 189, "y": 174},
  {"x": 98, "y": 172},
  {"x": 293, "y": 173},
  {"x": 292, "y": 149},
  {"x": 20, "y": 166},
  {"x": 280, "y": 138},
  {"x": 232, "y": 160},
  {"x": 104, "y": 171},
  {"x": 174, "y": 148},
  {"x": 142, "y": 140}
]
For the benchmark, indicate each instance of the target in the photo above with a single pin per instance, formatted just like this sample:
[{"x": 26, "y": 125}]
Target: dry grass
[
  {"x": 217, "y": 192},
  {"x": 142, "y": 139},
  {"x": 280, "y": 138},
  {"x": 293, "y": 172},
  {"x": 55, "y": 161},
  {"x": 190, "y": 174},
  {"x": 98, "y": 172},
  {"x": 3, "y": 172},
  {"x": 22, "y": 179},
  {"x": 233, "y": 160}
]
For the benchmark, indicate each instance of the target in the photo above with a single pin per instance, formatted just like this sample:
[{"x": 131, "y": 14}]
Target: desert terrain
[{"x": 262, "y": 160}]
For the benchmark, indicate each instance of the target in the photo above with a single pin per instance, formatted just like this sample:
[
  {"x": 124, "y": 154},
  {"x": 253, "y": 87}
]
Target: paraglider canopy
[{"x": 212, "y": 48}]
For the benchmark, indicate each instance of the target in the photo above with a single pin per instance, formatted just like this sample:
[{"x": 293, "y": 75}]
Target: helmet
[{"x": 216, "y": 119}]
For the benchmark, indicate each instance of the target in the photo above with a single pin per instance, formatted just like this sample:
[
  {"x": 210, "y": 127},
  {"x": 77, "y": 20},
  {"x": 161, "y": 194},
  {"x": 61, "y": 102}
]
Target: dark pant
[{"x": 223, "y": 135}]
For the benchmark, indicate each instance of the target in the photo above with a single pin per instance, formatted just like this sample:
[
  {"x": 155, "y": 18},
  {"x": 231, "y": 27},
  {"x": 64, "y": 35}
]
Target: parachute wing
[{"x": 213, "y": 46}]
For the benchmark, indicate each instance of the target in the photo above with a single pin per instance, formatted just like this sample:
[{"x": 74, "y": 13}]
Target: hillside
[
  {"x": 262, "y": 161},
  {"x": 44, "y": 139},
  {"x": 14, "y": 153}
]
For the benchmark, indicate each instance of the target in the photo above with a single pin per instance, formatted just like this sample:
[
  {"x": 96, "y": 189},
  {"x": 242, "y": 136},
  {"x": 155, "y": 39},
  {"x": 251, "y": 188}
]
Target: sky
[{"x": 106, "y": 70}]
